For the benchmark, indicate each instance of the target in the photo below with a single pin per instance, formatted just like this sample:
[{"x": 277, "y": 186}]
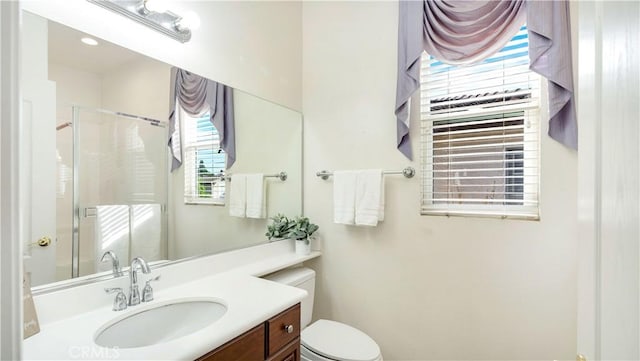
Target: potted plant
[
  {"x": 279, "y": 227},
  {"x": 302, "y": 230}
]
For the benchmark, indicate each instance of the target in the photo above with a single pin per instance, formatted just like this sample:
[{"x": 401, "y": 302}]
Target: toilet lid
[{"x": 338, "y": 341}]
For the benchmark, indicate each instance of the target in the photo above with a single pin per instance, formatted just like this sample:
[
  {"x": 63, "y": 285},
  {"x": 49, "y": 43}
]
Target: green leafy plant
[
  {"x": 302, "y": 229},
  {"x": 280, "y": 227},
  {"x": 299, "y": 228}
]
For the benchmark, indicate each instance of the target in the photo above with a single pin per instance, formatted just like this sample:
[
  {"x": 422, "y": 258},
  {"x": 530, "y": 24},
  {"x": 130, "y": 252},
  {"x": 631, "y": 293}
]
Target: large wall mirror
[{"x": 96, "y": 153}]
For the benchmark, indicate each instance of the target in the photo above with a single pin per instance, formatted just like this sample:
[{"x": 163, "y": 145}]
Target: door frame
[
  {"x": 589, "y": 180},
  {"x": 11, "y": 206}
]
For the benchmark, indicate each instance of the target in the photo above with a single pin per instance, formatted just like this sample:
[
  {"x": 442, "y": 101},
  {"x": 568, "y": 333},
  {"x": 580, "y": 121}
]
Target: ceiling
[{"x": 65, "y": 48}]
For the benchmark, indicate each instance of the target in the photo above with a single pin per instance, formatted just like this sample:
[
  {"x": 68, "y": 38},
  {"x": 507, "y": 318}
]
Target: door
[
  {"x": 609, "y": 184},
  {"x": 121, "y": 188},
  {"x": 38, "y": 154}
]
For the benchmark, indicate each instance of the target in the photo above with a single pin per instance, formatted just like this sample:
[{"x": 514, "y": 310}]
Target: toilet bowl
[{"x": 325, "y": 340}]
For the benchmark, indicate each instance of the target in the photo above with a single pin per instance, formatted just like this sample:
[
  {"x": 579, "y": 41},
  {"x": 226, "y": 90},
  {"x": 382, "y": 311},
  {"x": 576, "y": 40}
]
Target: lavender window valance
[
  {"x": 467, "y": 32},
  {"x": 550, "y": 53},
  {"x": 195, "y": 95}
]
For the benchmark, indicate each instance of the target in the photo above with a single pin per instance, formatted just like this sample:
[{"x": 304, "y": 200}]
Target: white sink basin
[{"x": 161, "y": 323}]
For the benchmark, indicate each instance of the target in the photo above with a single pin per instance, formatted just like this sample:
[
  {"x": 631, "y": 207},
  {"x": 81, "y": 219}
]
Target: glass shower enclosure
[{"x": 118, "y": 192}]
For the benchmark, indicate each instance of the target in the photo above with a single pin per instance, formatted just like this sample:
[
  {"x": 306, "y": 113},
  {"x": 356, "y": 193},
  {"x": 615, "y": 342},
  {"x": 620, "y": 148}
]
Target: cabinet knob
[{"x": 288, "y": 328}]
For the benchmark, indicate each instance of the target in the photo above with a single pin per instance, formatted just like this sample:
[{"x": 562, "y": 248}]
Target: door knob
[
  {"x": 580, "y": 357},
  {"x": 44, "y": 241}
]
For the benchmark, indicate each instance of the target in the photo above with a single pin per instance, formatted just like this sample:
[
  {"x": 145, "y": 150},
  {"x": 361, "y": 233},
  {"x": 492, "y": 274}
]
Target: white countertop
[{"x": 249, "y": 300}]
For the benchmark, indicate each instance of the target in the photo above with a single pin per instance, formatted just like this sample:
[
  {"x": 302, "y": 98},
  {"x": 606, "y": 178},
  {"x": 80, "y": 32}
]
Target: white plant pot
[{"x": 303, "y": 247}]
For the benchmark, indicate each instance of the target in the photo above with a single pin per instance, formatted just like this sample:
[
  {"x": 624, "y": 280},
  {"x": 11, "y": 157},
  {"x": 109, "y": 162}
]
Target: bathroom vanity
[
  {"x": 277, "y": 339},
  {"x": 260, "y": 319}
]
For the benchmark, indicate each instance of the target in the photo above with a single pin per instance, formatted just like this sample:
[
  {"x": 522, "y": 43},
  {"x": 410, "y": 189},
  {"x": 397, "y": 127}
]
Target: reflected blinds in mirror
[{"x": 204, "y": 161}]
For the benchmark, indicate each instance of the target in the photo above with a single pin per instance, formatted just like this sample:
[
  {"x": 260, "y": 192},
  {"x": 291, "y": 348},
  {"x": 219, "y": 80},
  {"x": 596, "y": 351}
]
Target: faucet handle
[
  {"x": 120, "y": 302},
  {"x": 147, "y": 292}
]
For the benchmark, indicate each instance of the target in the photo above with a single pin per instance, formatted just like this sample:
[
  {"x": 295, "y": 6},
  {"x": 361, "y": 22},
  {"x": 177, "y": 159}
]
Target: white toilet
[{"x": 325, "y": 340}]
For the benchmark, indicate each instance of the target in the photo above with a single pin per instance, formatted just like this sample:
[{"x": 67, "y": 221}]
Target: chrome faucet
[
  {"x": 134, "y": 291},
  {"x": 115, "y": 263}
]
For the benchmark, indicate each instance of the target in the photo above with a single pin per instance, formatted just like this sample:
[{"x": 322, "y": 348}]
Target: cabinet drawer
[
  {"x": 282, "y": 329},
  {"x": 246, "y": 347}
]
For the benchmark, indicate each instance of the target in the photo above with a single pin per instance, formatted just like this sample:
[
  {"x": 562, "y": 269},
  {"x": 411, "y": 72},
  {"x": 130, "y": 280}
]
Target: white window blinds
[
  {"x": 205, "y": 162},
  {"x": 480, "y": 137}
]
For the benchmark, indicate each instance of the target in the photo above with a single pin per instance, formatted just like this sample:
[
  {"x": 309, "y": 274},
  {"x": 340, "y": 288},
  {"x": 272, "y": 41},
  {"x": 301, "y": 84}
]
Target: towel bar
[
  {"x": 408, "y": 172},
  {"x": 282, "y": 176}
]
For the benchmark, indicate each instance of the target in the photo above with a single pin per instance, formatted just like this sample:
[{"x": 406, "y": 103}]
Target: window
[
  {"x": 480, "y": 137},
  {"x": 205, "y": 161}
]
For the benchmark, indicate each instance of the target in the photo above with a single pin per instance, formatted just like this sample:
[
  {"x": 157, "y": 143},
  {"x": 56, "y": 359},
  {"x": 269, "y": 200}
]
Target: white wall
[
  {"x": 140, "y": 87},
  {"x": 254, "y": 46},
  {"x": 425, "y": 287},
  {"x": 78, "y": 87}
]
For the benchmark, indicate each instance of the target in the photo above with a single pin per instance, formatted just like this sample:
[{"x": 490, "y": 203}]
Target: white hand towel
[
  {"x": 238, "y": 195},
  {"x": 256, "y": 205},
  {"x": 146, "y": 231},
  {"x": 344, "y": 196},
  {"x": 368, "y": 197},
  {"x": 111, "y": 234}
]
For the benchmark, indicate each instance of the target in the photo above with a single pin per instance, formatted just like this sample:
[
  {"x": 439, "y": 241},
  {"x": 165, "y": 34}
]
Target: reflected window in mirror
[{"x": 205, "y": 161}]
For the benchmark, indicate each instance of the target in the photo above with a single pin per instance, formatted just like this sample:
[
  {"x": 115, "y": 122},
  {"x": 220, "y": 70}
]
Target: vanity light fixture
[{"x": 152, "y": 13}]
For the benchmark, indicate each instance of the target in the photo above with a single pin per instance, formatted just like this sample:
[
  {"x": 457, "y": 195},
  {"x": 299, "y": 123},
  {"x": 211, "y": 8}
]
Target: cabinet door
[
  {"x": 247, "y": 347},
  {"x": 290, "y": 353}
]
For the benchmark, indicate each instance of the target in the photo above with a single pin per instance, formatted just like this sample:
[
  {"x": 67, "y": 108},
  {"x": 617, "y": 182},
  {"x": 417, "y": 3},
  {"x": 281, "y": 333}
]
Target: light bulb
[
  {"x": 190, "y": 21},
  {"x": 156, "y": 6}
]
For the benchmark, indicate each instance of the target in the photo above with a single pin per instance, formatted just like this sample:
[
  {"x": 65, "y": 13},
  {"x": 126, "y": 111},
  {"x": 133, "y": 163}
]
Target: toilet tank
[{"x": 300, "y": 277}]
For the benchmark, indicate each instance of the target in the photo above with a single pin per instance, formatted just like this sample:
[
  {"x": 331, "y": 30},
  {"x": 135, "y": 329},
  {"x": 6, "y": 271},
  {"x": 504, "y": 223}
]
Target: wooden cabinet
[
  {"x": 290, "y": 352},
  {"x": 248, "y": 347},
  {"x": 277, "y": 339}
]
